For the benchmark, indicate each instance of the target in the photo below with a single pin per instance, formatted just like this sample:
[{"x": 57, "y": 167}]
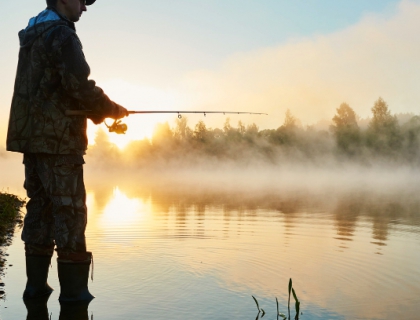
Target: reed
[{"x": 291, "y": 291}]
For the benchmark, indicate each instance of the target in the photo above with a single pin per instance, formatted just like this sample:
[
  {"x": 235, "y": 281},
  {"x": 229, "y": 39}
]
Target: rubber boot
[
  {"x": 74, "y": 311},
  {"x": 37, "y": 308},
  {"x": 37, "y": 274},
  {"x": 73, "y": 277}
]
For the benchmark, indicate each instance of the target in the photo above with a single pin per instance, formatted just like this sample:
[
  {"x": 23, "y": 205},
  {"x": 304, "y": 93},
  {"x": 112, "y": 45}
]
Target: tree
[
  {"x": 411, "y": 135},
  {"x": 232, "y": 134},
  {"x": 227, "y": 127},
  {"x": 382, "y": 120},
  {"x": 182, "y": 132},
  {"x": 252, "y": 129},
  {"x": 287, "y": 133},
  {"x": 104, "y": 150},
  {"x": 162, "y": 134},
  {"x": 346, "y": 130},
  {"x": 241, "y": 128},
  {"x": 383, "y": 132},
  {"x": 345, "y": 117},
  {"x": 289, "y": 120},
  {"x": 200, "y": 131}
]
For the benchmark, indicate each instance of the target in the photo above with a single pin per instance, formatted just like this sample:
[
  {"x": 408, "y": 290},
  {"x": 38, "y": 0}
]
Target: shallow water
[{"x": 165, "y": 252}]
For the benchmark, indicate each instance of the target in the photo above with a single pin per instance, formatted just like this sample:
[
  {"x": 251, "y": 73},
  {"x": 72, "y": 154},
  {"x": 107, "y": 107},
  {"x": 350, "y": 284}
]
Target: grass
[
  {"x": 291, "y": 290},
  {"x": 10, "y": 216}
]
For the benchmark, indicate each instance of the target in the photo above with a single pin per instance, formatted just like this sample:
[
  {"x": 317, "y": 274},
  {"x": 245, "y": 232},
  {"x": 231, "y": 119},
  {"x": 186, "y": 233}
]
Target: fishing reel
[{"x": 117, "y": 127}]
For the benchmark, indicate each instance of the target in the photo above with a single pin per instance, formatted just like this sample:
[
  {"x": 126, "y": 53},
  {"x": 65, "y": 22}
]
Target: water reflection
[
  {"x": 75, "y": 311},
  {"x": 37, "y": 310},
  {"x": 268, "y": 237},
  {"x": 201, "y": 253},
  {"x": 346, "y": 214},
  {"x": 194, "y": 211},
  {"x": 121, "y": 210}
]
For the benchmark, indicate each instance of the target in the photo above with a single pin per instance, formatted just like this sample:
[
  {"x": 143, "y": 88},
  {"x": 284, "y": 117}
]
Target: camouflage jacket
[{"x": 52, "y": 76}]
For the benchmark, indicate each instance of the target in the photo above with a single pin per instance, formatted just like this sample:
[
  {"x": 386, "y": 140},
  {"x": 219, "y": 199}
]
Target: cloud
[{"x": 376, "y": 57}]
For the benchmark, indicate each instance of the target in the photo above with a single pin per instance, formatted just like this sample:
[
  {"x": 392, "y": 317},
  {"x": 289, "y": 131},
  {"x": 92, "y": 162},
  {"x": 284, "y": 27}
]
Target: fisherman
[{"x": 52, "y": 77}]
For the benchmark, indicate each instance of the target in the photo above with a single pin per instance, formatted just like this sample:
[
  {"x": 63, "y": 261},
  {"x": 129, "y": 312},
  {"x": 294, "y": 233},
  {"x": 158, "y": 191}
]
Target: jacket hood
[{"x": 40, "y": 24}]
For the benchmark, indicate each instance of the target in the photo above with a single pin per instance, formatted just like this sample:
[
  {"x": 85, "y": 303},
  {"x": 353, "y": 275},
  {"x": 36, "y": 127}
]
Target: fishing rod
[{"x": 121, "y": 128}]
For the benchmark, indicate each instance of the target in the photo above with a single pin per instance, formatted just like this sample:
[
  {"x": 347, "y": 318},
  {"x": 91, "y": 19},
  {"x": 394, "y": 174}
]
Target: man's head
[{"x": 72, "y": 9}]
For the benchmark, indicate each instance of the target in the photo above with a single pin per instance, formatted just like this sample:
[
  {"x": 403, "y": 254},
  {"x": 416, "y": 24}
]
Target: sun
[{"x": 135, "y": 97}]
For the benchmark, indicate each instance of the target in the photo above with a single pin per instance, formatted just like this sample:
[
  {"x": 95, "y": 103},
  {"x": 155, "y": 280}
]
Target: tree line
[{"x": 384, "y": 139}]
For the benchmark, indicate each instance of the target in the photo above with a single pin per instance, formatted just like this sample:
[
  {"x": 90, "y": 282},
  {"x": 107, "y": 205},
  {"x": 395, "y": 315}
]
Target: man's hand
[{"x": 121, "y": 112}]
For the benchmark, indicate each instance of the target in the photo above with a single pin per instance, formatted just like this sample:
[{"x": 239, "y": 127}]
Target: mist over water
[
  {"x": 251, "y": 178},
  {"x": 344, "y": 233},
  {"x": 197, "y": 221},
  {"x": 187, "y": 239}
]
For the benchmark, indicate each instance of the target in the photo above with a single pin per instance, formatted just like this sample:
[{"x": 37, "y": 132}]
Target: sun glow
[{"x": 135, "y": 97}]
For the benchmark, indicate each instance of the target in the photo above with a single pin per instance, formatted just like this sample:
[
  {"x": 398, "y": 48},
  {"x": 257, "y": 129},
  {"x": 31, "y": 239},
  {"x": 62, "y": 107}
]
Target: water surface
[{"x": 165, "y": 252}]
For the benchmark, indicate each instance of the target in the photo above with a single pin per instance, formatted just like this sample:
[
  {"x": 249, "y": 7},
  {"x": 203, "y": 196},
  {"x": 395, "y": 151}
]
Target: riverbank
[{"x": 10, "y": 216}]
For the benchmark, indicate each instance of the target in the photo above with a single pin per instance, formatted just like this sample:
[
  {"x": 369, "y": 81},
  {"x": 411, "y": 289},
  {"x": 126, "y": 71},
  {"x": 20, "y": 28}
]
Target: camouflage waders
[
  {"x": 56, "y": 211},
  {"x": 52, "y": 77}
]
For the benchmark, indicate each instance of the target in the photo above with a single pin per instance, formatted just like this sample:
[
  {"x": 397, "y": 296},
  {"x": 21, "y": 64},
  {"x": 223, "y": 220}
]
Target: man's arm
[{"x": 74, "y": 72}]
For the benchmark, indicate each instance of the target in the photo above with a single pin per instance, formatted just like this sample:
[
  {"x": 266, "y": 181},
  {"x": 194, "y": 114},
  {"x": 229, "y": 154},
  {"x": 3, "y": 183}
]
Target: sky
[{"x": 249, "y": 55}]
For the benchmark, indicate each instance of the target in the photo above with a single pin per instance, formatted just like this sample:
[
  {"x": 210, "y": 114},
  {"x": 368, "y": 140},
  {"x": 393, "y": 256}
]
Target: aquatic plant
[
  {"x": 10, "y": 215},
  {"x": 260, "y": 310},
  {"x": 291, "y": 290},
  {"x": 10, "y": 206},
  {"x": 297, "y": 302}
]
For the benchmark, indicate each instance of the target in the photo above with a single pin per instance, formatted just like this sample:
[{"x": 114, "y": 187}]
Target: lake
[{"x": 164, "y": 250}]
